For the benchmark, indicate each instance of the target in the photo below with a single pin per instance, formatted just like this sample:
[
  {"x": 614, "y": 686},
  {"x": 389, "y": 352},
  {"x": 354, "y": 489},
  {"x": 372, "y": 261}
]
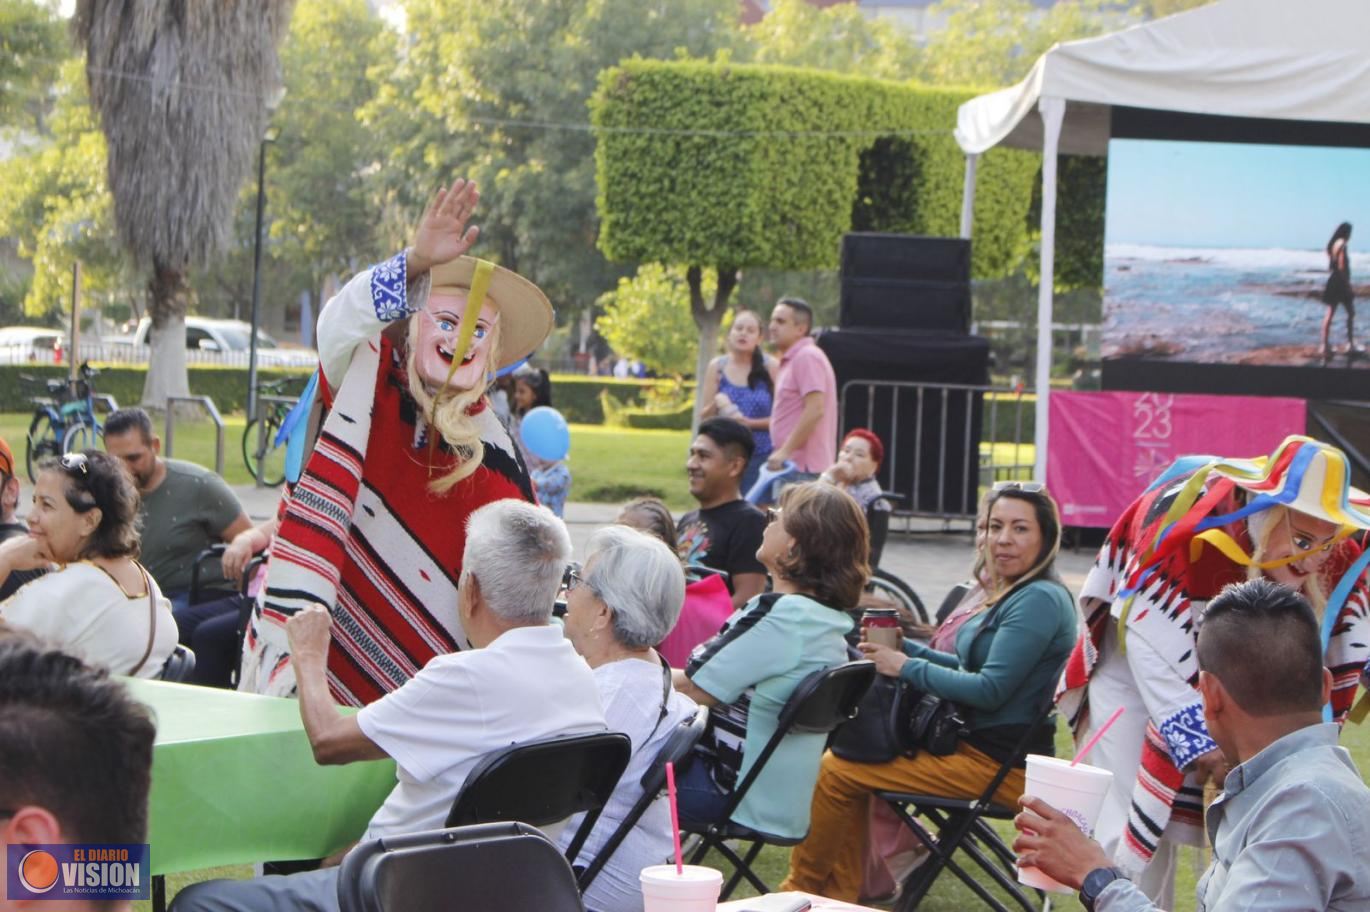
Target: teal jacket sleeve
[
  {"x": 1029, "y": 622},
  {"x": 917, "y": 650}
]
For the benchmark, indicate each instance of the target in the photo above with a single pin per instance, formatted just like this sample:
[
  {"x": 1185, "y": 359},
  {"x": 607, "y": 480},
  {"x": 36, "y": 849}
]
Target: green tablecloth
[{"x": 234, "y": 781}]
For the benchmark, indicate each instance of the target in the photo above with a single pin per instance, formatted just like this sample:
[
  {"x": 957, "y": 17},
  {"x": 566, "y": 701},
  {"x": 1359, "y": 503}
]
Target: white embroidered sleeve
[
  {"x": 1174, "y": 707},
  {"x": 371, "y": 299}
]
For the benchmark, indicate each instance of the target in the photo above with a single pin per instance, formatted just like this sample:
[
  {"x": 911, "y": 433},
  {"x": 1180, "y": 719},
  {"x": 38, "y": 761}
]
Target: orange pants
[{"x": 830, "y": 862}]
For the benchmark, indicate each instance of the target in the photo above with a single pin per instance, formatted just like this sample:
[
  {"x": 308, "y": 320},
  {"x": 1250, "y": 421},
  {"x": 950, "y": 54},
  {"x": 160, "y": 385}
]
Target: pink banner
[{"x": 1107, "y": 447}]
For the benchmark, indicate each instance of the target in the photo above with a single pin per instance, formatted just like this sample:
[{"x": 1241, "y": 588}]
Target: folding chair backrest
[
  {"x": 822, "y": 701},
  {"x": 214, "y": 552},
  {"x": 482, "y": 868},
  {"x": 542, "y": 782},
  {"x": 179, "y": 665},
  {"x": 677, "y": 749}
]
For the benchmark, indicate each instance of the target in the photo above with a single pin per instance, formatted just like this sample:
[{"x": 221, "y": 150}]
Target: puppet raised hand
[{"x": 443, "y": 234}]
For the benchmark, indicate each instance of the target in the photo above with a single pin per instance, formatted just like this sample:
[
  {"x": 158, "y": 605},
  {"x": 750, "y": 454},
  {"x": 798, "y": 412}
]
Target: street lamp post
[{"x": 272, "y": 103}]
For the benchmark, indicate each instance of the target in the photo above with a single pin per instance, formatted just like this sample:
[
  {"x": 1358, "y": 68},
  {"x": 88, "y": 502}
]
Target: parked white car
[
  {"x": 211, "y": 341},
  {"x": 31, "y": 345}
]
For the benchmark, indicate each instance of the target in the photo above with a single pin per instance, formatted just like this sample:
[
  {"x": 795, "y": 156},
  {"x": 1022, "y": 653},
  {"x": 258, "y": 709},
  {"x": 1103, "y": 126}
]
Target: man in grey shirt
[
  {"x": 185, "y": 509},
  {"x": 1291, "y": 828}
]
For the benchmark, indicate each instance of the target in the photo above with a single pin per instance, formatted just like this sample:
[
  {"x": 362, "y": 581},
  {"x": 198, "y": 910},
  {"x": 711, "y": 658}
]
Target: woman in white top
[
  {"x": 98, "y": 604},
  {"x": 626, "y": 600}
]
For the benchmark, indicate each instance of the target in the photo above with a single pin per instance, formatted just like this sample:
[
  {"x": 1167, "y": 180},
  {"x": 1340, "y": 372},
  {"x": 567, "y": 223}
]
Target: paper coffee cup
[
  {"x": 695, "y": 889},
  {"x": 1076, "y": 791}
]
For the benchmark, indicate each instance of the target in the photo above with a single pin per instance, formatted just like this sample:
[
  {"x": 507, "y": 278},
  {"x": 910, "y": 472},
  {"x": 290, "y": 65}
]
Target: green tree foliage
[
  {"x": 647, "y": 317},
  {"x": 32, "y": 48},
  {"x": 55, "y": 203},
  {"x": 839, "y": 37},
  {"x": 996, "y": 42},
  {"x": 734, "y": 166},
  {"x": 321, "y": 215},
  {"x": 497, "y": 90}
]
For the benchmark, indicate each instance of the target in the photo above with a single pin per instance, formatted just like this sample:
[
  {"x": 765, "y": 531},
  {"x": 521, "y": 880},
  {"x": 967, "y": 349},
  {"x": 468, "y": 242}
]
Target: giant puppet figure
[
  {"x": 375, "y": 527},
  {"x": 1204, "y": 523}
]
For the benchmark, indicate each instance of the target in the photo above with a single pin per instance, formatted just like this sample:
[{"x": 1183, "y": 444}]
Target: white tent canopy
[{"x": 1297, "y": 60}]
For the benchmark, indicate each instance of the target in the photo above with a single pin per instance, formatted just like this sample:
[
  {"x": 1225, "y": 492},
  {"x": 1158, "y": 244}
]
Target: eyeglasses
[
  {"x": 772, "y": 515},
  {"x": 75, "y": 462},
  {"x": 571, "y": 580},
  {"x": 1027, "y": 487}
]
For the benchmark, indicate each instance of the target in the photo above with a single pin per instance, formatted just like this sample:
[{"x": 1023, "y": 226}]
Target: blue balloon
[{"x": 545, "y": 433}]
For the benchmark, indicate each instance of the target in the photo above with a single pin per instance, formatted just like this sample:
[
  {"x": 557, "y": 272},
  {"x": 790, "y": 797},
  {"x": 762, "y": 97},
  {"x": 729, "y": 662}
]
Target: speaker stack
[{"x": 905, "y": 327}]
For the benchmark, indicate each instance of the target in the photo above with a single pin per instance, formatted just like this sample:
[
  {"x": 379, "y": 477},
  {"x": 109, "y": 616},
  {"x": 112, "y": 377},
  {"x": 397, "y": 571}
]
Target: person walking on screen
[{"x": 1338, "y": 291}]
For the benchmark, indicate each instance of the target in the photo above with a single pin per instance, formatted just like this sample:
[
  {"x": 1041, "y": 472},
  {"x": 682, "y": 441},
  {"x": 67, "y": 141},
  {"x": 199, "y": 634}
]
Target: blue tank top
[{"x": 752, "y": 402}]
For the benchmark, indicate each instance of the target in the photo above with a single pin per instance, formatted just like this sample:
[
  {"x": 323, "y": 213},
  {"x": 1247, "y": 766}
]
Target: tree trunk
[
  {"x": 708, "y": 316},
  {"x": 167, "y": 305}
]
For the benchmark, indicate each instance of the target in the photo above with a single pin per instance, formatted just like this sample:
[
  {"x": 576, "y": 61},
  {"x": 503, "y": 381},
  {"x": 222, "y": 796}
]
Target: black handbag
[
  {"x": 936, "y": 725},
  {"x": 879, "y": 732}
]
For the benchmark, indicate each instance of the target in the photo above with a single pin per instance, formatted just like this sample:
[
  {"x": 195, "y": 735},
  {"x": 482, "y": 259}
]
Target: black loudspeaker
[
  {"x": 905, "y": 282},
  {"x": 896, "y": 384}
]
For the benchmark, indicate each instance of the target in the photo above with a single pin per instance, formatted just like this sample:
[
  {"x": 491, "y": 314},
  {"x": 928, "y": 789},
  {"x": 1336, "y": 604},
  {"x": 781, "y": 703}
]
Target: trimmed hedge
[
  {"x": 227, "y": 386},
  {"x": 577, "y": 397},
  {"x": 617, "y": 414},
  {"x": 770, "y": 166}
]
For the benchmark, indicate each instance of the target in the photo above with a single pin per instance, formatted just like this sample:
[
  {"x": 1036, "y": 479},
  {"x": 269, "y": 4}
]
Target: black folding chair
[
  {"x": 961, "y": 823},
  {"x": 821, "y": 702},
  {"x": 677, "y": 750},
  {"x": 179, "y": 665},
  {"x": 544, "y": 782},
  {"x": 491, "y": 867}
]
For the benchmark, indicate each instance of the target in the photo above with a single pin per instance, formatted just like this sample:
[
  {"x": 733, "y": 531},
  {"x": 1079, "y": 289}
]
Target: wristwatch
[{"x": 1095, "y": 882}]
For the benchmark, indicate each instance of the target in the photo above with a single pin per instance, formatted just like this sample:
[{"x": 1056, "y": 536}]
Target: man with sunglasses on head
[
  {"x": 10, "y": 526},
  {"x": 1203, "y": 524}
]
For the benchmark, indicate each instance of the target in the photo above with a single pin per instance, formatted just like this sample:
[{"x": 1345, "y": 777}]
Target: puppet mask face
[{"x": 439, "y": 324}]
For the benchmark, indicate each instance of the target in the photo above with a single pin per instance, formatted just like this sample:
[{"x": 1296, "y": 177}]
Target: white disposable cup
[
  {"x": 1076, "y": 791},
  {"x": 695, "y": 889}
]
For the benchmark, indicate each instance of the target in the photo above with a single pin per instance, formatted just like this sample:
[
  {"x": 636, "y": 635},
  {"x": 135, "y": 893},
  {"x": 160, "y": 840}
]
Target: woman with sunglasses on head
[
  {"x": 815, "y": 548},
  {"x": 98, "y": 604},
  {"x": 623, "y": 602},
  {"x": 1006, "y": 665},
  {"x": 1203, "y": 523}
]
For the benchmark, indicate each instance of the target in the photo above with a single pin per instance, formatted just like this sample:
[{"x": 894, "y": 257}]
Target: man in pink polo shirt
[{"x": 804, "y": 414}]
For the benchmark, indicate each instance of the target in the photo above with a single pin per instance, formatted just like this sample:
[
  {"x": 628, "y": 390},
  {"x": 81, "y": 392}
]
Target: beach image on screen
[{"x": 1229, "y": 253}]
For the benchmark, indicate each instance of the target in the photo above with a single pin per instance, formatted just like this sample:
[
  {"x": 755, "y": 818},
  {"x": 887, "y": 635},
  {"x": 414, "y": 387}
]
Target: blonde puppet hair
[{"x": 447, "y": 412}]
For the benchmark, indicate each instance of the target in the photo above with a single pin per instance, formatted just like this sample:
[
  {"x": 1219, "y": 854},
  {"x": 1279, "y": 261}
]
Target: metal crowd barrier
[
  {"x": 999, "y": 448},
  {"x": 169, "y": 439}
]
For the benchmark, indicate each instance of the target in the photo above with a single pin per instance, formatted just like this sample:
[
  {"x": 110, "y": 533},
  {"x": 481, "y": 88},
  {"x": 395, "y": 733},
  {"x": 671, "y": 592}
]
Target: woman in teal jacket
[{"x": 1007, "y": 662}]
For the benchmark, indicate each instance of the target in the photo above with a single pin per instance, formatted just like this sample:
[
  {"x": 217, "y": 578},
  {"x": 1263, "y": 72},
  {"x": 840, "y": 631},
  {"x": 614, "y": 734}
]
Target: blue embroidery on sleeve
[
  {"x": 1186, "y": 735},
  {"x": 389, "y": 281}
]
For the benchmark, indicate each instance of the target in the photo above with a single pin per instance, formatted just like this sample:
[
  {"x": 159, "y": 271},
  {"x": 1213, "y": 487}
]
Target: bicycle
[
  {"x": 64, "y": 421},
  {"x": 259, "y": 437}
]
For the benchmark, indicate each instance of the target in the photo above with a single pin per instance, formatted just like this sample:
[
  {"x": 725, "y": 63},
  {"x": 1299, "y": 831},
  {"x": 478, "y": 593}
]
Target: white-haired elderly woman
[{"x": 624, "y": 602}]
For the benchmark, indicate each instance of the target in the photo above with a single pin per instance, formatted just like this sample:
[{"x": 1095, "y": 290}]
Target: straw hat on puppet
[
  {"x": 526, "y": 316},
  {"x": 1304, "y": 475}
]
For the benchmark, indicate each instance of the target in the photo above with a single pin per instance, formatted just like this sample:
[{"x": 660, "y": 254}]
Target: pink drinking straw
[
  {"x": 1089, "y": 745},
  {"x": 675, "y": 817}
]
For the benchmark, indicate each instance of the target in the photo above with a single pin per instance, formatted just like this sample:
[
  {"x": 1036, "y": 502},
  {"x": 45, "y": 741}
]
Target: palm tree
[{"x": 182, "y": 89}]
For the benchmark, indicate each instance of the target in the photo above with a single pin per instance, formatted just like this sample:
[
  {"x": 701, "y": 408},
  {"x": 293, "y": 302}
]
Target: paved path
[{"x": 927, "y": 558}]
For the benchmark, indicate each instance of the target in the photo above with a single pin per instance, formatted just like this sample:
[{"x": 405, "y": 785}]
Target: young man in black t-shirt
[{"x": 725, "y": 532}]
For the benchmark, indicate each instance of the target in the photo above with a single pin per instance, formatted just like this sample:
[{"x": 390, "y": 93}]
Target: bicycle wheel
[
  {"x": 273, "y": 457},
  {"x": 79, "y": 437},
  {"x": 892, "y": 587},
  {"x": 42, "y": 443}
]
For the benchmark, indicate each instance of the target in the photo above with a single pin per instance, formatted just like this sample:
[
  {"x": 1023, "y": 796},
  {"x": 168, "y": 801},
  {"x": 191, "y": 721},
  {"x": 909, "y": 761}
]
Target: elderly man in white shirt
[{"x": 520, "y": 681}]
